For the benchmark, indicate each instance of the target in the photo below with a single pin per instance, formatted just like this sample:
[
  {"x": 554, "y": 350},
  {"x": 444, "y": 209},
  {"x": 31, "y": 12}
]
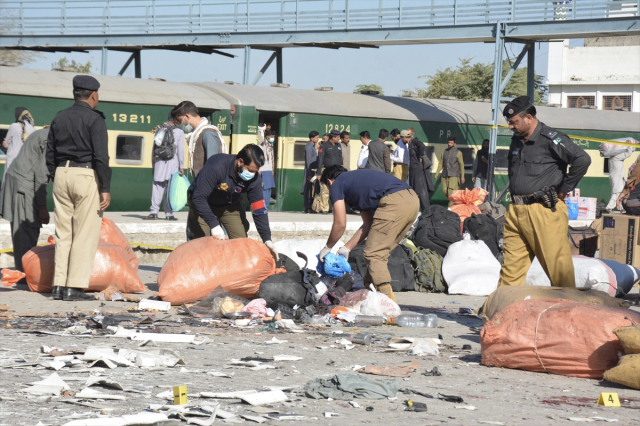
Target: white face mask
[{"x": 271, "y": 140}]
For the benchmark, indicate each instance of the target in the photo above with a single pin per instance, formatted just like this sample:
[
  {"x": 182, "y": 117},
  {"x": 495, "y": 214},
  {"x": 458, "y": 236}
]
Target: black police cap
[
  {"x": 85, "y": 82},
  {"x": 334, "y": 132},
  {"x": 516, "y": 106}
]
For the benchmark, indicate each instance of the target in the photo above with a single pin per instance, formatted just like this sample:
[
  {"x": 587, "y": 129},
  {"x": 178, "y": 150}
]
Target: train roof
[
  {"x": 55, "y": 84},
  {"x": 411, "y": 109}
]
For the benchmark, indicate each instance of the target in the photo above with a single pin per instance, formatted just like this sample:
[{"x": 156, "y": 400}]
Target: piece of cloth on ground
[
  {"x": 348, "y": 386},
  {"x": 333, "y": 266}
]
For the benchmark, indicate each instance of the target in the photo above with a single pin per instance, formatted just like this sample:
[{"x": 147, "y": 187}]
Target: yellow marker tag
[
  {"x": 609, "y": 399},
  {"x": 179, "y": 395}
]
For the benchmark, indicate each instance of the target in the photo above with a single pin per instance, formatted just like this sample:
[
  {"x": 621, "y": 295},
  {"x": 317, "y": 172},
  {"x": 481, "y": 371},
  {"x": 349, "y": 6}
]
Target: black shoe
[
  {"x": 151, "y": 217},
  {"x": 171, "y": 218},
  {"x": 74, "y": 294},
  {"x": 57, "y": 292}
]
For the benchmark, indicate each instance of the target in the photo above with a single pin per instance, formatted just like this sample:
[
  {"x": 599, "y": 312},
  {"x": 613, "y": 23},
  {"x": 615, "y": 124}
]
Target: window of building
[
  {"x": 298, "y": 153},
  {"x": 580, "y": 101},
  {"x": 618, "y": 102},
  {"x": 129, "y": 149}
]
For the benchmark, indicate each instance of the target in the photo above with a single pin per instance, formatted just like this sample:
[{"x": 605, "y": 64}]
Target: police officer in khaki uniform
[
  {"x": 537, "y": 221},
  {"x": 78, "y": 161}
]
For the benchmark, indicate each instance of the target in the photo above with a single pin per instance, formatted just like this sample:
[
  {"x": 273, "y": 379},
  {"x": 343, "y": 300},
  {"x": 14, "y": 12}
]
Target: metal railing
[{"x": 94, "y": 17}]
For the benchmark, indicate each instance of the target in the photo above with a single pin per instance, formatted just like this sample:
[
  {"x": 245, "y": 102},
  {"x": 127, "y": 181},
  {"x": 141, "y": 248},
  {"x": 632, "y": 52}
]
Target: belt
[
  {"x": 86, "y": 165},
  {"x": 525, "y": 200}
]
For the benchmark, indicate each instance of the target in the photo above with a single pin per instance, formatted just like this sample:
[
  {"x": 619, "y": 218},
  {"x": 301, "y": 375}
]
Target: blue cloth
[
  {"x": 268, "y": 180},
  {"x": 333, "y": 266},
  {"x": 362, "y": 189},
  {"x": 267, "y": 197},
  {"x": 626, "y": 276}
]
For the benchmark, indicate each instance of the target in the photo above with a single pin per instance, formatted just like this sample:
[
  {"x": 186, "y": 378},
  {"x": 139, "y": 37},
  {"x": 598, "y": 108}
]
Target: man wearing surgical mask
[
  {"x": 215, "y": 198},
  {"x": 204, "y": 139},
  {"x": 266, "y": 171}
]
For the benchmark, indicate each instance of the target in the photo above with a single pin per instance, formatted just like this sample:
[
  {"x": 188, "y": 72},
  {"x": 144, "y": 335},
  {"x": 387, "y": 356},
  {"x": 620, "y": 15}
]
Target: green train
[{"x": 134, "y": 106}]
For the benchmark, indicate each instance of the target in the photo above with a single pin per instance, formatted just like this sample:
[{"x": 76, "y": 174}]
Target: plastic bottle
[
  {"x": 431, "y": 320},
  {"x": 369, "y": 320},
  {"x": 411, "y": 320}
]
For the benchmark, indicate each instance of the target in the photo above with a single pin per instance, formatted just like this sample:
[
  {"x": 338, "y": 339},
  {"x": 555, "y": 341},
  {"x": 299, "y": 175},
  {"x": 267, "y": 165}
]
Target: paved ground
[{"x": 500, "y": 396}]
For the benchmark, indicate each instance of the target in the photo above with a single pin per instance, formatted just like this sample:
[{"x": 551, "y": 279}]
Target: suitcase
[{"x": 583, "y": 241}]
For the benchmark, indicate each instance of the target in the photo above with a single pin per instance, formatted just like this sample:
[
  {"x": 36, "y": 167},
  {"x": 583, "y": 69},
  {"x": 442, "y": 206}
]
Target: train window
[
  {"x": 502, "y": 159},
  {"x": 298, "y": 153},
  {"x": 468, "y": 156},
  {"x": 129, "y": 149}
]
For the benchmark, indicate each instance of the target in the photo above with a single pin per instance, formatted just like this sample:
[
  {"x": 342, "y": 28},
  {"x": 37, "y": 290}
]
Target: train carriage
[{"x": 134, "y": 106}]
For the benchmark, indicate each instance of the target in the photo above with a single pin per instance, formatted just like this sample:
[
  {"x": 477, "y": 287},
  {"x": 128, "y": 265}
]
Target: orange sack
[
  {"x": 111, "y": 234},
  {"x": 110, "y": 266},
  {"x": 11, "y": 277},
  {"x": 555, "y": 336},
  {"x": 197, "y": 267},
  {"x": 466, "y": 202}
]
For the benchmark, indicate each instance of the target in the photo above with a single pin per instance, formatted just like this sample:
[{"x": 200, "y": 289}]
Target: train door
[{"x": 271, "y": 121}]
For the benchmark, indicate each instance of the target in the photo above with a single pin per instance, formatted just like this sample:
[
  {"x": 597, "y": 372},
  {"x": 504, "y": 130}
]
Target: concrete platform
[{"x": 171, "y": 234}]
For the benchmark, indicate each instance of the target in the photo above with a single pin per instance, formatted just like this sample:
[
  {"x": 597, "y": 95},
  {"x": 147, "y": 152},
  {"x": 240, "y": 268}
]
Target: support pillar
[
  {"x": 138, "y": 63},
  {"x": 495, "y": 108},
  {"x": 279, "y": 66},
  {"x": 531, "y": 72},
  {"x": 264, "y": 69},
  {"x": 103, "y": 64},
  {"x": 247, "y": 54}
]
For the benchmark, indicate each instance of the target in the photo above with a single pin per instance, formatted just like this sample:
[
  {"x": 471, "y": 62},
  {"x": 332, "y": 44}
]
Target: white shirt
[
  {"x": 363, "y": 156},
  {"x": 401, "y": 154}
]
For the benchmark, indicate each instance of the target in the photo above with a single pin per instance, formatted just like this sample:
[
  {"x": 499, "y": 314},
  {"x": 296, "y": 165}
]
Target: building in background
[{"x": 604, "y": 74}]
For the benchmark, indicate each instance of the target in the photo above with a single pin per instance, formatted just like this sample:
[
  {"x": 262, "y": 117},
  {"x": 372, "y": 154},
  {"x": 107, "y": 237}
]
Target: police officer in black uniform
[
  {"x": 537, "y": 220},
  {"x": 78, "y": 162},
  {"x": 329, "y": 154}
]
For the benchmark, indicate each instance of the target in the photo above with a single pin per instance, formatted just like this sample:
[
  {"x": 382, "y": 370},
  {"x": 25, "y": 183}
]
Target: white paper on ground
[
  {"x": 154, "y": 304},
  {"x": 218, "y": 374},
  {"x": 136, "y": 419},
  {"x": 204, "y": 422},
  {"x": 159, "y": 337},
  {"x": 52, "y": 385},
  {"x": 88, "y": 393},
  {"x": 275, "y": 341},
  {"x": 228, "y": 395},
  {"x": 256, "y": 419},
  {"x": 348, "y": 316},
  {"x": 262, "y": 398},
  {"x": 286, "y": 358}
]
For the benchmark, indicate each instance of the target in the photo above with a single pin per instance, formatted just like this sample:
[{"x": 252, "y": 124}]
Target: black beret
[
  {"x": 85, "y": 82},
  {"x": 334, "y": 132},
  {"x": 516, "y": 106}
]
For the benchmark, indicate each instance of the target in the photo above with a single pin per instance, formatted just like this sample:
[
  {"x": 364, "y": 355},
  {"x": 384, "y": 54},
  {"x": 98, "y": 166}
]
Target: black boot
[
  {"x": 57, "y": 292},
  {"x": 75, "y": 294},
  {"x": 152, "y": 216}
]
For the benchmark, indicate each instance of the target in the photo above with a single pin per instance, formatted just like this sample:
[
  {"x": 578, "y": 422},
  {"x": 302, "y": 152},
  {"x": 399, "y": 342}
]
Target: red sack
[
  {"x": 466, "y": 202},
  {"x": 110, "y": 266},
  {"x": 111, "y": 234},
  {"x": 197, "y": 267},
  {"x": 555, "y": 336}
]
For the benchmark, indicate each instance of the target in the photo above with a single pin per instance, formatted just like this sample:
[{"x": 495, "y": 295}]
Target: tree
[
  {"x": 470, "y": 82},
  {"x": 361, "y": 87},
  {"x": 21, "y": 57},
  {"x": 82, "y": 68}
]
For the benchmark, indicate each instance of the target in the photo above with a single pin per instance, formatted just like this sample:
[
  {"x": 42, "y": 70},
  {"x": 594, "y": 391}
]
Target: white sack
[
  {"x": 470, "y": 268},
  {"x": 589, "y": 274},
  {"x": 311, "y": 248}
]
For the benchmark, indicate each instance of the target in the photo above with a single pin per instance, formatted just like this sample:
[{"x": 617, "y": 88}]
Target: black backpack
[
  {"x": 486, "y": 228},
  {"x": 166, "y": 148},
  {"x": 399, "y": 264},
  {"x": 437, "y": 229}
]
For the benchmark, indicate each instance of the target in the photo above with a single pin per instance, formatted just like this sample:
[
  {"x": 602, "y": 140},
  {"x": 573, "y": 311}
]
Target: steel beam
[
  {"x": 604, "y": 27},
  {"x": 514, "y": 66},
  {"x": 531, "y": 72},
  {"x": 103, "y": 63},
  {"x": 279, "y": 66},
  {"x": 264, "y": 68},
  {"x": 495, "y": 106},
  {"x": 247, "y": 56},
  {"x": 126, "y": 64},
  {"x": 138, "y": 64}
]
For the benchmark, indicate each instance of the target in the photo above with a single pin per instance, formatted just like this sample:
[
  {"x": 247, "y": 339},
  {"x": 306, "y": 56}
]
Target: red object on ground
[
  {"x": 467, "y": 201},
  {"x": 11, "y": 276},
  {"x": 555, "y": 336},
  {"x": 197, "y": 267}
]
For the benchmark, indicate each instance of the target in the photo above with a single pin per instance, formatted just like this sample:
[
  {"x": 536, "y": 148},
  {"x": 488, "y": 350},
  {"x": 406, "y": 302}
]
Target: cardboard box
[
  {"x": 619, "y": 239},
  {"x": 586, "y": 207}
]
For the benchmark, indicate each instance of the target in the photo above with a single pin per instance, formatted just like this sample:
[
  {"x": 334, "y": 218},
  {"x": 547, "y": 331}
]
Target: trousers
[
  {"x": 324, "y": 197},
  {"x": 394, "y": 216},
  {"x": 156, "y": 198},
  {"x": 232, "y": 217},
  {"x": 617, "y": 180},
  {"x": 78, "y": 218},
  {"x": 450, "y": 184},
  {"x": 307, "y": 193},
  {"x": 535, "y": 230},
  {"x": 23, "y": 236},
  {"x": 401, "y": 171},
  {"x": 266, "y": 194}
]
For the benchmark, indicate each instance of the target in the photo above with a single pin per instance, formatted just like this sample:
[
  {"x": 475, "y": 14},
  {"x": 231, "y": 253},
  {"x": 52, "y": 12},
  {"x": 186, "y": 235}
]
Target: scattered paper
[
  {"x": 159, "y": 337},
  {"x": 275, "y": 341},
  {"x": 136, "y": 419},
  {"x": 88, "y": 393},
  {"x": 263, "y": 398},
  {"x": 154, "y": 304}
]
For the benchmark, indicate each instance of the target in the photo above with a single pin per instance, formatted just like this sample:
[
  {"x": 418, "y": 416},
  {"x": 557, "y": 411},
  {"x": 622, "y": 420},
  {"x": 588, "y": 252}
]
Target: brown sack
[
  {"x": 556, "y": 336},
  {"x": 110, "y": 266},
  {"x": 627, "y": 372},
  {"x": 197, "y": 267},
  {"x": 111, "y": 234},
  {"x": 506, "y": 295},
  {"x": 629, "y": 338}
]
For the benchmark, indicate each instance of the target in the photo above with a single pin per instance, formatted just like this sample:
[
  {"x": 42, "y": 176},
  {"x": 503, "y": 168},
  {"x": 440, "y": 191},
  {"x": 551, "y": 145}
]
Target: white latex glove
[
  {"x": 344, "y": 251},
  {"x": 218, "y": 233},
  {"x": 325, "y": 251},
  {"x": 272, "y": 249}
]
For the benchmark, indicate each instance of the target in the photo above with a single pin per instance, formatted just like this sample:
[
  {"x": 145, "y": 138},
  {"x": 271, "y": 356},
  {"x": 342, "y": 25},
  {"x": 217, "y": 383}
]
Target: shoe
[
  {"x": 151, "y": 217},
  {"x": 57, "y": 292},
  {"x": 171, "y": 218},
  {"x": 75, "y": 294}
]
